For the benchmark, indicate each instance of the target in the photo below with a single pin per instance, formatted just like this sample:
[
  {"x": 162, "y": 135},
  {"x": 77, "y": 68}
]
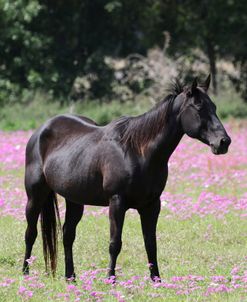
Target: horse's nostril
[{"x": 225, "y": 141}]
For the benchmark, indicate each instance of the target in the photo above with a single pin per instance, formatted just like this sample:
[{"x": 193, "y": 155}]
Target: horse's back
[
  {"x": 59, "y": 130},
  {"x": 68, "y": 125}
]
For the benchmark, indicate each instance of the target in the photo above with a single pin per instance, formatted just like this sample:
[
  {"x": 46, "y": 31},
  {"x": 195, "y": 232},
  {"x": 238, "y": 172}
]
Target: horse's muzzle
[{"x": 222, "y": 146}]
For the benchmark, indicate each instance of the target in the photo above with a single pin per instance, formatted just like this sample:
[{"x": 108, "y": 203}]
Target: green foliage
[
  {"x": 217, "y": 28},
  {"x": 113, "y": 5},
  {"x": 231, "y": 105},
  {"x": 21, "y": 48},
  {"x": 51, "y": 45}
]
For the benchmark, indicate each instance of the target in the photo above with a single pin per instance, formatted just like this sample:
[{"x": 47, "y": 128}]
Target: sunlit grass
[{"x": 208, "y": 247}]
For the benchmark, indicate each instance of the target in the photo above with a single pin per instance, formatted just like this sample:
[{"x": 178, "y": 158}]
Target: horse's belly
[
  {"x": 77, "y": 188},
  {"x": 83, "y": 195}
]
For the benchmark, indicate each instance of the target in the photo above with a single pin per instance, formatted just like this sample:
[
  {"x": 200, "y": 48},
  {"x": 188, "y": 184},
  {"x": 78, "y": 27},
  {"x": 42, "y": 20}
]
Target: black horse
[{"x": 121, "y": 165}]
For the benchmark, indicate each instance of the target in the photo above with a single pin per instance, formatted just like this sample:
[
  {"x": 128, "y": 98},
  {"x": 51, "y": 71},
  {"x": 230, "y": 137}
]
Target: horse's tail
[{"x": 50, "y": 225}]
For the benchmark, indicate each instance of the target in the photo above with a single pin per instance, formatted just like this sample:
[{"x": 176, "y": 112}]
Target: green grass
[
  {"x": 230, "y": 105},
  {"x": 31, "y": 113},
  {"x": 182, "y": 250}
]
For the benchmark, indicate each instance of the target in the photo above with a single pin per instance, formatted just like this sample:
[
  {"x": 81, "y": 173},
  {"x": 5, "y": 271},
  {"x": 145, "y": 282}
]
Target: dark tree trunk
[{"x": 212, "y": 63}]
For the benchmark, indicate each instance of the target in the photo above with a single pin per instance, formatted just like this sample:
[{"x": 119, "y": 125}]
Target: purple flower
[{"x": 31, "y": 260}]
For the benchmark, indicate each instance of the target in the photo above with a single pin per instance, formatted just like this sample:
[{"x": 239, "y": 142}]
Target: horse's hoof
[
  {"x": 71, "y": 279},
  {"x": 111, "y": 279},
  {"x": 25, "y": 271},
  {"x": 155, "y": 279}
]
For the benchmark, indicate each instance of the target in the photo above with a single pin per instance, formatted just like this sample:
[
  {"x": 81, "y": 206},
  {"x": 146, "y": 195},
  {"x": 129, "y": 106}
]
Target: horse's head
[{"x": 199, "y": 119}]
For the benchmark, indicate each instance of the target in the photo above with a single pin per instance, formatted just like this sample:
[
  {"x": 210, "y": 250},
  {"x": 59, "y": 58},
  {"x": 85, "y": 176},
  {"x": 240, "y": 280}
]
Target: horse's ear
[
  {"x": 207, "y": 83},
  {"x": 194, "y": 85}
]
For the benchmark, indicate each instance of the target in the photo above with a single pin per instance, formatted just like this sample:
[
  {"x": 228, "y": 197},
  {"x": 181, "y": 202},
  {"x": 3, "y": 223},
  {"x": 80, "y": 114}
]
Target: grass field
[{"x": 202, "y": 234}]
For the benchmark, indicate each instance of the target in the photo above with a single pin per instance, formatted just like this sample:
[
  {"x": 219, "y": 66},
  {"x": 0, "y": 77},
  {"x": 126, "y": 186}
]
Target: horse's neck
[
  {"x": 162, "y": 145},
  {"x": 165, "y": 143},
  {"x": 153, "y": 135}
]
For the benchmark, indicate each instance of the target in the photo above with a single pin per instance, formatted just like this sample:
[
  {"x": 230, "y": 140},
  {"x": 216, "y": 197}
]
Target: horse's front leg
[
  {"x": 149, "y": 218},
  {"x": 116, "y": 215}
]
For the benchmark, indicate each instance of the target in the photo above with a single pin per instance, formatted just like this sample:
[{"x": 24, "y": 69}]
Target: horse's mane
[
  {"x": 176, "y": 87},
  {"x": 136, "y": 132}
]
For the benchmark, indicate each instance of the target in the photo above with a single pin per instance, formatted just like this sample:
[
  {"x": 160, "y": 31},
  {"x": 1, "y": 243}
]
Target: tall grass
[{"x": 32, "y": 112}]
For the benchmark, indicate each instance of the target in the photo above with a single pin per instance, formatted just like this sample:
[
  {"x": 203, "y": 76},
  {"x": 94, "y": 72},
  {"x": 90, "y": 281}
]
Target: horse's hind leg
[
  {"x": 73, "y": 215},
  {"x": 32, "y": 214},
  {"x": 37, "y": 192}
]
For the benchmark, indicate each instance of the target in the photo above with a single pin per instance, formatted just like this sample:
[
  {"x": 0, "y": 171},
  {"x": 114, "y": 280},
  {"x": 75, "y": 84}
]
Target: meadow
[{"x": 202, "y": 233}]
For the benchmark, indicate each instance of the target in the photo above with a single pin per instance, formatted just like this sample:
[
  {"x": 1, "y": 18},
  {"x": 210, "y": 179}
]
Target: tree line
[{"x": 48, "y": 44}]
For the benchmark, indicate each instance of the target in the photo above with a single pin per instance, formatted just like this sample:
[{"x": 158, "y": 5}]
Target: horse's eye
[
  {"x": 189, "y": 94},
  {"x": 198, "y": 106},
  {"x": 198, "y": 101}
]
